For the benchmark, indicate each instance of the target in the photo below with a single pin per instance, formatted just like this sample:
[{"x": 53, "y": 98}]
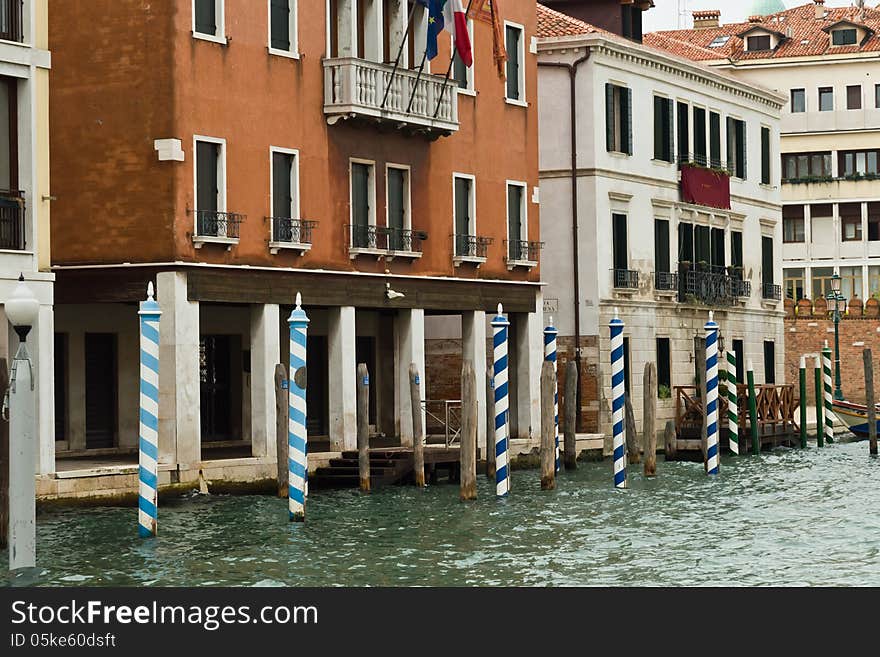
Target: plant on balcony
[
  {"x": 663, "y": 392},
  {"x": 702, "y": 265},
  {"x": 707, "y": 167}
]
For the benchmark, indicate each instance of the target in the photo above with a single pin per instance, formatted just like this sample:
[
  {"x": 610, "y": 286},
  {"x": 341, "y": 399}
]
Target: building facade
[
  {"x": 825, "y": 62},
  {"x": 237, "y": 155},
  {"x": 660, "y": 203},
  {"x": 25, "y": 195}
]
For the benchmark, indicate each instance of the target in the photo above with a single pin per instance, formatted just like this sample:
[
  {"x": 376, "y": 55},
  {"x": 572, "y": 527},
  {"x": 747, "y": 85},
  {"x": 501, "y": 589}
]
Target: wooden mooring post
[
  {"x": 870, "y": 401},
  {"x": 670, "y": 446},
  {"x": 548, "y": 428},
  {"x": 490, "y": 426},
  {"x": 415, "y": 397},
  {"x": 649, "y": 417},
  {"x": 281, "y": 419},
  {"x": 632, "y": 436},
  {"x": 468, "y": 449},
  {"x": 363, "y": 425},
  {"x": 571, "y": 411},
  {"x": 4, "y": 463}
]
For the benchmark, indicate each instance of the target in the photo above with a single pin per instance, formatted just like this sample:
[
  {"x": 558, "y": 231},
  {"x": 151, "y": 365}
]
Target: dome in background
[{"x": 765, "y": 7}]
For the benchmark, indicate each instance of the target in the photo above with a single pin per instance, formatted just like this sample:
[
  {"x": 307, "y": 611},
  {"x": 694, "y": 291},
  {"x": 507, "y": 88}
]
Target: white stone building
[{"x": 648, "y": 127}]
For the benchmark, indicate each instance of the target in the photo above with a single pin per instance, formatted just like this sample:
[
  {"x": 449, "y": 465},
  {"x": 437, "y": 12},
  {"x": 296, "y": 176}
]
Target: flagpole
[
  {"x": 412, "y": 13},
  {"x": 418, "y": 77},
  {"x": 451, "y": 60}
]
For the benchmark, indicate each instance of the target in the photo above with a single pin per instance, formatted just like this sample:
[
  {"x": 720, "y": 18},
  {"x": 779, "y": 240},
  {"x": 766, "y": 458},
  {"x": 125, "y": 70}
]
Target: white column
[
  {"x": 473, "y": 348},
  {"x": 180, "y": 439},
  {"x": 410, "y": 338},
  {"x": 341, "y": 378},
  {"x": 265, "y": 355},
  {"x": 42, "y": 346},
  {"x": 346, "y": 28},
  {"x": 529, "y": 357}
]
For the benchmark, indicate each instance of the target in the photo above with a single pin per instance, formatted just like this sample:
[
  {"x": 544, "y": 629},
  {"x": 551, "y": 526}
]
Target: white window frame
[
  {"x": 523, "y": 219},
  {"x": 407, "y": 197},
  {"x": 294, "y": 180},
  {"x": 293, "y": 53},
  {"x": 371, "y": 184},
  {"x": 220, "y": 37},
  {"x": 221, "y": 181},
  {"x": 472, "y": 228},
  {"x": 521, "y": 101},
  {"x": 471, "y": 89}
]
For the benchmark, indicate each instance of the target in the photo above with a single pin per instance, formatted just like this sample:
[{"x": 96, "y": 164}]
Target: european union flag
[{"x": 435, "y": 24}]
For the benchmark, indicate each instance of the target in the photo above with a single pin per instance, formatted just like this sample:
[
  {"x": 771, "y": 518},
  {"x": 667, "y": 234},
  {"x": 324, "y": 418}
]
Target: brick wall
[{"x": 807, "y": 335}]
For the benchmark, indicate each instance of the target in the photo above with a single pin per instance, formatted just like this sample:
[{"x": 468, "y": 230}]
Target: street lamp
[
  {"x": 837, "y": 304},
  {"x": 22, "y": 309}
]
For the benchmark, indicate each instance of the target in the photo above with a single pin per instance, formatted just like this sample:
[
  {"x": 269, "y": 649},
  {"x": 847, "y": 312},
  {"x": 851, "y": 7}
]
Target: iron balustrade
[
  {"x": 626, "y": 279},
  {"x": 11, "y": 23},
  {"x": 702, "y": 160},
  {"x": 771, "y": 291},
  {"x": 523, "y": 251},
  {"x": 12, "y": 228},
  {"x": 218, "y": 224},
  {"x": 472, "y": 246},
  {"x": 384, "y": 238},
  {"x": 712, "y": 287},
  {"x": 665, "y": 280},
  {"x": 293, "y": 231}
]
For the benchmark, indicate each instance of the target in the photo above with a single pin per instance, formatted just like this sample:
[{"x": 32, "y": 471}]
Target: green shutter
[
  {"x": 683, "y": 131},
  {"x": 620, "y": 253},
  {"x": 661, "y": 245},
  {"x": 658, "y": 128},
  {"x": 280, "y": 18},
  {"x": 609, "y": 117},
  {"x": 767, "y": 260},
  {"x": 685, "y": 242},
  {"x": 765, "y": 156},
  {"x": 514, "y": 220},
  {"x": 396, "y": 202},
  {"x": 670, "y": 131},
  {"x": 513, "y": 46},
  {"x": 207, "y": 188},
  {"x": 741, "y": 142},
  {"x": 736, "y": 248},
  {"x": 360, "y": 194},
  {"x": 700, "y": 136},
  {"x": 718, "y": 255},
  {"x": 627, "y": 122},
  {"x": 282, "y": 194},
  {"x": 715, "y": 139},
  {"x": 206, "y": 17},
  {"x": 731, "y": 145},
  {"x": 462, "y": 190}
]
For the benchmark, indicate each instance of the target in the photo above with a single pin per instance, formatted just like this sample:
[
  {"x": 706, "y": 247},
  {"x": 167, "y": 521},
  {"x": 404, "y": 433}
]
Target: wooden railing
[{"x": 777, "y": 409}]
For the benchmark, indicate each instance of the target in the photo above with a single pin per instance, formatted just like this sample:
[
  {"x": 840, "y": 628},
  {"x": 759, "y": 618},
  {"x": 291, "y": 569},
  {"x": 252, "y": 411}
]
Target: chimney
[
  {"x": 707, "y": 19},
  {"x": 819, "y": 6},
  {"x": 756, "y": 19}
]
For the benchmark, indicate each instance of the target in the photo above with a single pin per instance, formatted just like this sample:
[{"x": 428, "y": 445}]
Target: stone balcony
[{"x": 371, "y": 92}]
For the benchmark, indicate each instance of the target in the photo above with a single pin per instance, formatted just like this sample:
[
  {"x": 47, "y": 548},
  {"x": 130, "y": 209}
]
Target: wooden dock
[{"x": 388, "y": 466}]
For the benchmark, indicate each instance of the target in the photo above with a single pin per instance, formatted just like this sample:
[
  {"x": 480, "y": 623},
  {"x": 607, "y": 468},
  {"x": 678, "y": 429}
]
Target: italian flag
[{"x": 455, "y": 20}]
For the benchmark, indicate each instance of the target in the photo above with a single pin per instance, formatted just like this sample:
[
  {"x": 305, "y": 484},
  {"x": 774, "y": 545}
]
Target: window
[
  {"x": 740, "y": 352},
  {"x": 620, "y": 251},
  {"x": 210, "y": 192},
  {"x": 877, "y": 96},
  {"x": 850, "y": 221},
  {"x": 793, "y": 223},
  {"x": 517, "y": 233},
  {"x": 765, "y": 156},
  {"x": 618, "y": 119},
  {"x": 465, "y": 214},
  {"x": 683, "y": 116},
  {"x": 208, "y": 20},
  {"x": 826, "y": 99},
  {"x": 285, "y": 201},
  {"x": 859, "y": 163},
  {"x": 363, "y": 204},
  {"x": 714, "y": 139},
  {"x": 798, "y": 101},
  {"x": 854, "y": 97},
  {"x": 874, "y": 221},
  {"x": 736, "y": 249},
  {"x": 793, "y": 282},
  {"x": 663, "y": 140},
  {"x": 736, "y": 147},
  {"x": 515, "y": 62},
  {"x": 767, "y": 260},
  {"x": 631, "y": 22},
  {"x": 664, "y": 368},
  {"x": 397, "y": 207},
  {"x": 700, "y": 136},
  {"x": 282, "y": 27},
  {"x": 769, "y": 361},
  {"x": 805, "y": 166},
  {"x": 845, "y": 37},
  {"x": 821, "y": 281},
  {"x": 851, "y": 282},
  {"x": 685, "y": 242},
  {"x": 759, "y": 42},
  {"x": 821, "y": 223},
  {"x": 661, "y": 245},
  {"x": 873, "y": 281},
  {"x": 463, "y": 75}
]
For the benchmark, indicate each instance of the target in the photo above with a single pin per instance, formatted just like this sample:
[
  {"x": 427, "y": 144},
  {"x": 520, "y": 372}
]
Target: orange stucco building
[{"x": 236, "y": 152}]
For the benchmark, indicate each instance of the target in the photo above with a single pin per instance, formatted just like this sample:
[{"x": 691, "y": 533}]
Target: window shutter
[
  {"x": 207, "y": 189},
  {"x": 395, "y": 198},
  {"x": 280, "y": 18},
  {"x": 282, "y": 196},
  {"x": 514, "y": 225},
  {"x": 765, "y": 156},
  {"x": 658, "y": 128},
  {"x": 620, "y": 252},
  {"x": 767, "y": 260},
  {"x": 513, "y": 46},
  {"x": 609, "y": 117},
  {"x": 360, "y": 194},
  {"x": 742, "y": 148},
  {"x": 661, "y": 245},
  {"x": 670, "y": 131},
  {"x": 627, "y": 122},
  {"x": 206, "y": 17},
  {"x": 715, "y": 139}
]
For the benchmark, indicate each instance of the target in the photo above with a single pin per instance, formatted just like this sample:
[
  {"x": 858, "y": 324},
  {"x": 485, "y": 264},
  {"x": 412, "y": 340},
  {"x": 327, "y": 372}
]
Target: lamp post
[
  {"x": 838, "y": 305},
  {"x": 22, "y": 309}
]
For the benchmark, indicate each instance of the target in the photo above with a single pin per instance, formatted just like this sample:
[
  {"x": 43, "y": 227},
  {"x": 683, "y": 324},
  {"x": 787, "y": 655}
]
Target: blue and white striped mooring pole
[
  {"x": 297, "y": 453},
  {"x": 712, "y": 460},
  {"x": 550, "y": 334},
  {"x": 500, "y": 384},
  {"x": 618, "y": 397},
  {"x": 148, "y": 443}
]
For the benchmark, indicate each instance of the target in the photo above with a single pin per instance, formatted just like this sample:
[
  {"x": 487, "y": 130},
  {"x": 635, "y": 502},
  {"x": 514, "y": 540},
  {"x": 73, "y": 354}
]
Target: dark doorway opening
[
  {"x": 215, "y": 375},
  {"x": 101, "y": 390}
]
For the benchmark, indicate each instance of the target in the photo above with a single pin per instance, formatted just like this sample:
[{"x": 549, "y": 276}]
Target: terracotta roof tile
[
  {"x": 552, "y": 23},
  {"x": 804, "y": 32}
]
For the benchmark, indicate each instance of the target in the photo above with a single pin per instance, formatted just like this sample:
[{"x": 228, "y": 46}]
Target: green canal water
[{"x": 788, "y": 517}]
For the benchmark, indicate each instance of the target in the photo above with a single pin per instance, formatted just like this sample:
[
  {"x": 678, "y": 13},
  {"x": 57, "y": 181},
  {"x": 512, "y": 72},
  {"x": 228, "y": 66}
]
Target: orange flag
[{"x": 488, "y": 11}]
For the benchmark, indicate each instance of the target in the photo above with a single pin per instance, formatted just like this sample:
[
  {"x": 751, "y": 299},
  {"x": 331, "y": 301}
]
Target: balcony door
[
  {"x": 398, "y": 194},
  {"x": 463, "y": 227},
  {"x": 361, "y": 210},
  {"x": 8, "y": 134},
  {"x": 208, "y": 188}
]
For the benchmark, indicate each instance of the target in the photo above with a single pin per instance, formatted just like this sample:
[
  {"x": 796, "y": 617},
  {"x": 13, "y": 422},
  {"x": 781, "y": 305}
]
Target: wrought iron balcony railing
[
  {"x": 11, "y": 23},
  {"x": 386, "y": 240},
  {"x": 358, "y": 88},
  {"x": 471, "y": 246},
  {"x": 712, "y": 287},
  {"x": 522, "y": 253},
  {"x": 12, "y": 227},
  {"x": 666, "y": 281},
  {"x": 625, "y": 279},
  {"x": 217, "y": 227},
  {"x": 292, "y": 231},
  {"x": 771, "y": 292}
]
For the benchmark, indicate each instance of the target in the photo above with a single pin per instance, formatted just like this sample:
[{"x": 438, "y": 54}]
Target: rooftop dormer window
[
  {"x": 758, "y": 42},
  {"x": 719, "y": 41},
  {"x": 847, "y": 33},
  {"x": 844, "y": 37}
]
